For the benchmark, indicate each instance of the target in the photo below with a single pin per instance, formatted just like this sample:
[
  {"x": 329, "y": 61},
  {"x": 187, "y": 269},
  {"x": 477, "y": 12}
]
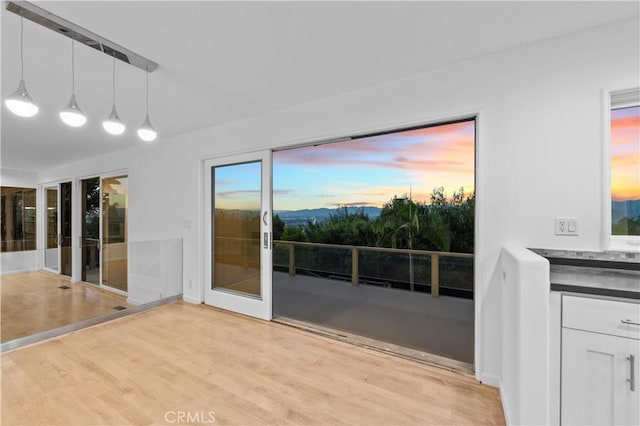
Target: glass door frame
[
  {"x": 79, "y": 201},
  {"x": 45, "y": 227},
  {"x": 258, "y": 307}
]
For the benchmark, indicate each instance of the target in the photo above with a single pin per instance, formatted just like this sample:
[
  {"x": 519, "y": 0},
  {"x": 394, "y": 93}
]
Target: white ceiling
[{"x": 225, "y": 61}]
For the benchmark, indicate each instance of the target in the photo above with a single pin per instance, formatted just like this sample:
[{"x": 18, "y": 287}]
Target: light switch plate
[{"x": 566, "y": 226}]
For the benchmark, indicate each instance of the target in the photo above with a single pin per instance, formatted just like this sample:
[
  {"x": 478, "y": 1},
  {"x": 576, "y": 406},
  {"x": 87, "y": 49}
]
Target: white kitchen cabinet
[{"x": 600, "y": 358}]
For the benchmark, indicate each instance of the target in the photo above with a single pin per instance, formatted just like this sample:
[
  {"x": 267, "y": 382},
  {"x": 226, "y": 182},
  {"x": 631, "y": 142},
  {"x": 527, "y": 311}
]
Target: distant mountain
[
  {"x": 620, "y": 209},
  {"x": 299, "y": 217}
]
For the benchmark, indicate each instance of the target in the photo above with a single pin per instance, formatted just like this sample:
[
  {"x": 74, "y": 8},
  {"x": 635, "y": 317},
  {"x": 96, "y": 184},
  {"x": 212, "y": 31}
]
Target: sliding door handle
[
  {"x": 632, "y": 373},
  {"x": 264, "y": 218}
]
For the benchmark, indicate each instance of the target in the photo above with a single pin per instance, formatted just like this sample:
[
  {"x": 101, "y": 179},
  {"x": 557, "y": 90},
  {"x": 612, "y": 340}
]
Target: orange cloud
[{"x": 625, "y": 154}]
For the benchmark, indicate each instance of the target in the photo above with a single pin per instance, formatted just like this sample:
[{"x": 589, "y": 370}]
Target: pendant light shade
[
  {"x": 112, "y": 124},
  {"x": 19, "y": 102},
  {"x": 146, "y": 132},
  {"x": 72, "y": 115}
]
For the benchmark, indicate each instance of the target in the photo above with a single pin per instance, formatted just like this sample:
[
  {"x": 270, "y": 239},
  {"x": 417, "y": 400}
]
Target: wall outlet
[{"x": 566, "y": 225}]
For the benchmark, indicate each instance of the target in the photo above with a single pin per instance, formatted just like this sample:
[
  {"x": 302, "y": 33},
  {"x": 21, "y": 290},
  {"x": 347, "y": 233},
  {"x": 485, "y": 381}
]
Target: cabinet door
[{"x": 596, "y": 379}]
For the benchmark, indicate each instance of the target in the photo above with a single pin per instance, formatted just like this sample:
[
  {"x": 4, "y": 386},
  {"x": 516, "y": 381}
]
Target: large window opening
[
  {"x": 625, "y": 166},
  {"x": 375, "y": 236}
]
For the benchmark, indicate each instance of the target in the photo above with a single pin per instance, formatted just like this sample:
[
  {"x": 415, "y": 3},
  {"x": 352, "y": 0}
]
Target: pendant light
[
  {"x": 19, "y": 102},
  {"x": 147, "y": 133},
  {"x": 113, "y": 124},
  {"x": 71, "y": 115}
]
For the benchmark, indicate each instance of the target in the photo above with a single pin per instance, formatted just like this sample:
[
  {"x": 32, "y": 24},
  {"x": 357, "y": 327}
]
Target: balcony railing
[{"x": 379, "y": 265}]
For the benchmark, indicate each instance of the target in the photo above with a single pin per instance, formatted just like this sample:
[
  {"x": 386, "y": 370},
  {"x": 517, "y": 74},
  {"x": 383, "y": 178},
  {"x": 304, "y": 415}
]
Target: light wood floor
[
  {"x": 33, "y": 302},
  {"x": 144, "y": 368}
]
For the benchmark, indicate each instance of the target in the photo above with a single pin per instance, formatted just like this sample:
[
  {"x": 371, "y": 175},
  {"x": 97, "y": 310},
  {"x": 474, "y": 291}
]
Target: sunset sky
[
  {"x": 625, "y": 154},
  {"x": 361, "y": 172},
  {"x": 370, "y": 171}
]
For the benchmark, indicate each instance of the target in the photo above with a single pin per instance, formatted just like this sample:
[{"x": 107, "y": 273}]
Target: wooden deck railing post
[
  {"x": 435, "y": 275},
  {"x": 292, "y": 260},
  {"x": 354, "y": 266}
]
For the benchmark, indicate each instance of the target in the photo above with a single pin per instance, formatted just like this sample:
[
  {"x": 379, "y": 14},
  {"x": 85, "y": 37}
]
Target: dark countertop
[{"x": 596, "y": 280}]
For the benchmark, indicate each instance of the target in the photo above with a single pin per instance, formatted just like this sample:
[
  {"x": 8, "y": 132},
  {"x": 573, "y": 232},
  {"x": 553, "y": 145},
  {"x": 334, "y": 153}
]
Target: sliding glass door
[
  {"x": 52, "y": 249},
  {"x": 238, "y": 234},
  {"x": 65, "y": 208},
  {"x": 91, "y": 230},
  {"x": 57, "y": 231},
  {"x": 114, "y": 232},
  {"x": 104, "y": 231}
]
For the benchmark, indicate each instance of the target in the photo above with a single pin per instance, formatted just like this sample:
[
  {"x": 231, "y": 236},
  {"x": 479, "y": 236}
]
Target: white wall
[
  {"x": 538, "y": 152},
  {"x": 18, "y": 178},
  {"x": 526, "y": 341},
  {"x": 20, "y": 261}
]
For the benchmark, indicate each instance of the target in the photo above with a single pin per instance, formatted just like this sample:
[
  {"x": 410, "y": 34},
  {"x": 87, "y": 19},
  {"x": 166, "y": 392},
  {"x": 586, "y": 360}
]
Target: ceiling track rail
[{"x": 69, "y": 29}]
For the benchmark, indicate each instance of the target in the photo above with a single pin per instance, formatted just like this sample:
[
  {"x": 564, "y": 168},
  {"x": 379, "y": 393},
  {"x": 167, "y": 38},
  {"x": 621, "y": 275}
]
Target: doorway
[{"x": 374, "y": 238}]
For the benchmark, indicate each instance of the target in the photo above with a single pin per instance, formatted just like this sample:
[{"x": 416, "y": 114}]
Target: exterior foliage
[{"x": 446, "y": 224}]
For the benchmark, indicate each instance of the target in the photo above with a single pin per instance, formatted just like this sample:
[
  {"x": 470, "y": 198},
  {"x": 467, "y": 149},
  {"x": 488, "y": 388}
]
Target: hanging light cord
[
  {"x": 147, "y": 90},
  {"x": 114, "y": 79},
  {"x": 73, "y": 67},
  {"x": 21, "y": 49}
]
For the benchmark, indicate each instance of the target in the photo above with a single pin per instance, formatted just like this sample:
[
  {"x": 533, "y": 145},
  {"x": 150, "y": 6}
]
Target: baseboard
[
  {"x": 19, "y": 271},
  {"x": 489, "y": 379},
  {"x": 134, "y": 302},
  {"x": 193, "y": 300},
  {"x": 505, "y": 405}
]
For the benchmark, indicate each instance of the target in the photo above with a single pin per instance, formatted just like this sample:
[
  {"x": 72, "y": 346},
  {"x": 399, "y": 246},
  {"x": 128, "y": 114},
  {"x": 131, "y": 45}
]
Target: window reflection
[{"x": 18, "y": 219}]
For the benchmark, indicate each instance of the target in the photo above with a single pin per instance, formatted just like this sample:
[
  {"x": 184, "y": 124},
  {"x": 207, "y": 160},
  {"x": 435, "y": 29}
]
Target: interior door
[{"x": 238, "y": 234}]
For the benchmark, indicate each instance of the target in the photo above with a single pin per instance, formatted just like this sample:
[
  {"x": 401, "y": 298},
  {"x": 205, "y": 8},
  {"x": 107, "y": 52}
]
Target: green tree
[
  {"x": 346, "y": 228},
  {"x": 434, "y": 233},
  {"x": 398, "y": 224},
  {"x": 293, "y": 233},
  {"x": 277, "y": 228},
  {"x": 626, "y": 226}
]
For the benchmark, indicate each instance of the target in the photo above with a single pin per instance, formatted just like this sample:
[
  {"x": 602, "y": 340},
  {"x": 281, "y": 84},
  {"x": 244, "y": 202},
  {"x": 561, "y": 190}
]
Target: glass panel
[
  {"x": 625, "y": 171},
  {"x": 236, "y": 227},
  {"x": 51, "y": 253},
  {"x": 18, "y": 221},
  {"x": 114, "y": 232},
  {"x": 374, "y": 236},
  {"x": 65, "y": 228},
  {"x": 91, "y": 230}
]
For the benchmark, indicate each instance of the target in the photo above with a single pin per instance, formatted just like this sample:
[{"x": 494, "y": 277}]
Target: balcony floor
[{"x": 442, "y": 326}]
